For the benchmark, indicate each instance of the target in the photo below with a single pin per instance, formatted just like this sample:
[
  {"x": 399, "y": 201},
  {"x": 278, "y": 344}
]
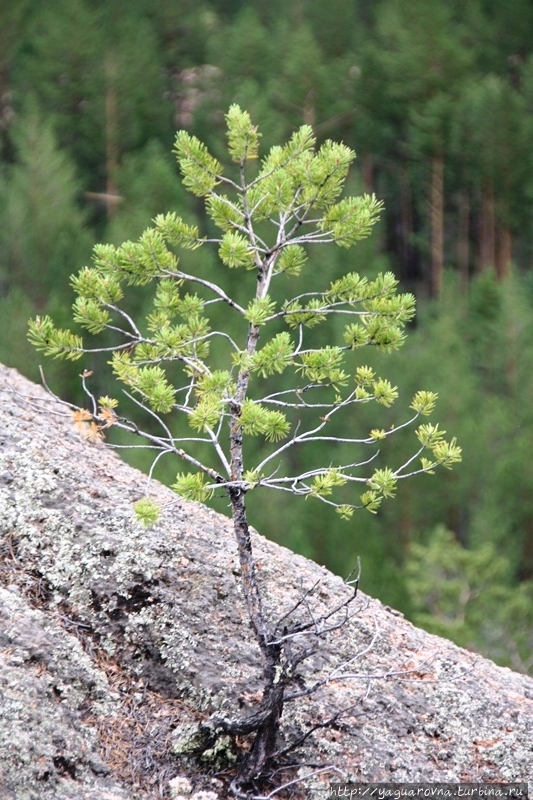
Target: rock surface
[{"x": 113, "y": 639}]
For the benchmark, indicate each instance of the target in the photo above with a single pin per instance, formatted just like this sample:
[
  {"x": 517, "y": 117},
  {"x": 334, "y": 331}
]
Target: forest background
[{"x": 436, "y": 99}]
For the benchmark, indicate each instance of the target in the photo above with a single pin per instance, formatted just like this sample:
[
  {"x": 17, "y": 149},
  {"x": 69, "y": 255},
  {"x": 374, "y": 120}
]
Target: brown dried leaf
[
  {"x": 108, "y": 415},
  {"x": 81, "y": 416},
  {"x": 92, "y": 432}
]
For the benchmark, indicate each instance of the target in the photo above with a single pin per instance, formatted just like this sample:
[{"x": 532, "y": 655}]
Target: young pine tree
[{"x": 274, "y": 384}]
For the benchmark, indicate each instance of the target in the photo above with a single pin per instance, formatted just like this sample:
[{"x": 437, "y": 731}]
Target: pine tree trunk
[
  {"x": 268, "y": 715},
  {"x": 525, "y": 569},
  {"x": 463, "y": 243},
  {"x": 248, "y": 571},
  {"x": 407, "y": 226},
  {"x": 487, "y": 258},
  {"x": 437, "y": 224},
  {"x": 309, "y": 110},
  {"x": 367, "y": 172},
  {"x": 111, "y": 133},
  {"x": 504, "y": 246}
]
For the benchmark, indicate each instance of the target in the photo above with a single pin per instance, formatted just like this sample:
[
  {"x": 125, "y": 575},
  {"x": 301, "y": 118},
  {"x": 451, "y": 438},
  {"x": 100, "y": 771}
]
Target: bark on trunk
[
  {"x": 463, "y": 240},
  {"x": 487, "y": 253},
  {"x": 252, "y": 595},
  {"x": 437, "y": 224},
  {"x": 504, "y": 252},
  {"x": 367, "y": 172},
  {"x": 111, "y": 134},
  {"x": 407, "y": 224}
]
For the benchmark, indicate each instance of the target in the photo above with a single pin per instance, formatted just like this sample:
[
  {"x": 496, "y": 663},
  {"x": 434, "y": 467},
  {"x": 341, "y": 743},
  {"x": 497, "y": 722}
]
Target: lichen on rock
[{"x": 112, "y": 636}]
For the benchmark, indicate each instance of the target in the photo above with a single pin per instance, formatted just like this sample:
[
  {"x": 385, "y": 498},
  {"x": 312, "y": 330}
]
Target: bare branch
[{"x": 184, "y": 276}]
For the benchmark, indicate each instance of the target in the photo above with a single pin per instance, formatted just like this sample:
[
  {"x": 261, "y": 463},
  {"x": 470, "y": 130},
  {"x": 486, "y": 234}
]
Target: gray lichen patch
[
  {"x": 32, "y": 637},
  {"x": 192, "y": 745},
  {"x": 45, "y": 679},
  {"x": 141, "y": 592}
]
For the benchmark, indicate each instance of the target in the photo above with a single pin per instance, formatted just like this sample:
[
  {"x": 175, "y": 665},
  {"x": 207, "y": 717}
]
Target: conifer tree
[
  {"x": 419, "y": 61},
  {"x": 267, "y": 214},
  {"x": 42, "y": 227},
  {"x": 98, "y": 75}
]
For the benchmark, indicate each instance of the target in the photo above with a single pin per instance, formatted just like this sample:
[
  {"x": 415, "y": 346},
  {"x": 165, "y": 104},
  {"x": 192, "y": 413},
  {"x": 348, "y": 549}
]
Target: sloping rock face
[{"x": 115, "y": 639}]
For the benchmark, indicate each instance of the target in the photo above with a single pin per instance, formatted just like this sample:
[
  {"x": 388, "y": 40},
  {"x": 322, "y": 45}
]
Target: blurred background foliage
[{"x": 436, "y": 99}]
